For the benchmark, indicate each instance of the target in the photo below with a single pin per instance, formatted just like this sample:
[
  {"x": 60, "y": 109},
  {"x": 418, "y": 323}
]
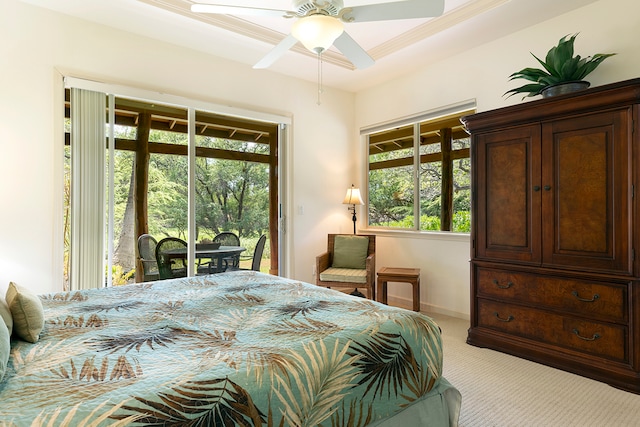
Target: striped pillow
[{"x": 27, "y": 312}]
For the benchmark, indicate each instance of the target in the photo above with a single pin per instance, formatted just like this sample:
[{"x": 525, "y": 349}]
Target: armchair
[{"x": 349, "y": 262}]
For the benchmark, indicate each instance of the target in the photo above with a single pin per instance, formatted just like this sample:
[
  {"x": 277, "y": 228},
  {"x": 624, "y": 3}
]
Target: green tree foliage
[
  {"x": 168, "y": 196},
  {"x": 391, "y": 192},
  {"x": 231, "y": 195}
]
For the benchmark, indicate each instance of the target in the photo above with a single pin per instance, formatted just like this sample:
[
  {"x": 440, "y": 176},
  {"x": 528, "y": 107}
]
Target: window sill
[{"x": 412, "y": 234}]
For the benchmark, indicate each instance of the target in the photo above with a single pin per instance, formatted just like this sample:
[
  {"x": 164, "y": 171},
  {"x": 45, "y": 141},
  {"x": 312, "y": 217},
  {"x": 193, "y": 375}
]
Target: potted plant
[{"x": 562, "y": 73}]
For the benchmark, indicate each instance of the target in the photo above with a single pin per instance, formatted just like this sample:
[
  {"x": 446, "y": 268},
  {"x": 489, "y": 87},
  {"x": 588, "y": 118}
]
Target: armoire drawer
[
  {"x": 600, "y": 339},
  {"x": 593, "y": 299}
]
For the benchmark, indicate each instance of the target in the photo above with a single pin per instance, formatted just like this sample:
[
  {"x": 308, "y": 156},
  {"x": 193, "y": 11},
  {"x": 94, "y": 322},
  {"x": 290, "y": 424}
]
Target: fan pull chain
[{"x": 319, "y": 76}]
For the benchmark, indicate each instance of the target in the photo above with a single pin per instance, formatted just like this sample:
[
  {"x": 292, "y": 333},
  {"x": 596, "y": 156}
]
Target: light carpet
[{"x": 505, "y": 391}]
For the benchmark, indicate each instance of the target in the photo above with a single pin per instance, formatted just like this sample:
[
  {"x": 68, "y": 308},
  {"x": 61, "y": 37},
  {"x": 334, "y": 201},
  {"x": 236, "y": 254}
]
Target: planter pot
[{"x": 563, "y": 88}]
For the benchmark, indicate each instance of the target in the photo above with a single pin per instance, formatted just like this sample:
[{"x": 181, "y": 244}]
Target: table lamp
[{"x": 353, "y": 198}]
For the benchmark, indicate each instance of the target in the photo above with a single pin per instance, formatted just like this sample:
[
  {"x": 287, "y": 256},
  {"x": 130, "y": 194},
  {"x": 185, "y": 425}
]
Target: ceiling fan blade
[
  {"x": 353, "y": 51},
  {"x": 395, "y": 10},
  {"x": 275, "y": 53},
  {"x": 237, "y": 10}
]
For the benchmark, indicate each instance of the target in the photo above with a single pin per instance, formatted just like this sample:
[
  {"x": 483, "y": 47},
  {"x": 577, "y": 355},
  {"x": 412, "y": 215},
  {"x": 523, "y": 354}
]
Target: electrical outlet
[{"x": 313, "y": 270}]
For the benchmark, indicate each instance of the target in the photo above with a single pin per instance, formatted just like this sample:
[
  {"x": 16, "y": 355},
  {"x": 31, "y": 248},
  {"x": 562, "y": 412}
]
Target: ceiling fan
[{"x": 319, "y": 23}]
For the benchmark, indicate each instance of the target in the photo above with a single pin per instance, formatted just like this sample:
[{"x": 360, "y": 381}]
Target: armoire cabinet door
[
  {"x": 586, "y": 197},
  {"x": 507, "y": 194}
]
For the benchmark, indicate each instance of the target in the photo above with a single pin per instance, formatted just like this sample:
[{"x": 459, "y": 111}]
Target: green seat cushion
[
  {"x": 27, "y": 312},
  {"x": 350, "y": 251},
  {"x": 345, "y": 275}
]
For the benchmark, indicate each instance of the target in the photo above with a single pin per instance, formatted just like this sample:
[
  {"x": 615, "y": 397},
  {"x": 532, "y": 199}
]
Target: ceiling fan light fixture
[{"x": 317, "y": 32}]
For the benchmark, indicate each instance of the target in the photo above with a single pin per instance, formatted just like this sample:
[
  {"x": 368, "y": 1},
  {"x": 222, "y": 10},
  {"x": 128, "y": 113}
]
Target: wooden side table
[{"x": 406, "y": 275}]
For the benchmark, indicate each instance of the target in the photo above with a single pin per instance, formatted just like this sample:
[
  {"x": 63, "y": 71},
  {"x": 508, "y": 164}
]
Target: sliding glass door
[{"x": 147, "y": 174}]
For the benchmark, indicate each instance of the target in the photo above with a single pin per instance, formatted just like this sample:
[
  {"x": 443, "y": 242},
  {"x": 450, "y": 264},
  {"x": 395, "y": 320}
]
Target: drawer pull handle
[
  {"x": 508, "y": 319},
  {"x": 595, "y": 297},
  {"x": 507, "y": 286},
  {"x": 593, "y": 338}
]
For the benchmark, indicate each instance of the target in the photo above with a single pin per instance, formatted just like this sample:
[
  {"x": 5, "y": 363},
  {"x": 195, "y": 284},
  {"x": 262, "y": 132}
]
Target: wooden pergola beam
[
  {"x": 141, "y": 186},
  {"x": 424, "y": 158},
  {"x": 385, "y": 146},
  {"x": 446, "y": 192},
  {"x": 181, "y": 150}
]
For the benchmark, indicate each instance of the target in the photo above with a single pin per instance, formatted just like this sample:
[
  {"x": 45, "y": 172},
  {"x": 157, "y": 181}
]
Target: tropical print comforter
[{"x": 241, "y": 348}]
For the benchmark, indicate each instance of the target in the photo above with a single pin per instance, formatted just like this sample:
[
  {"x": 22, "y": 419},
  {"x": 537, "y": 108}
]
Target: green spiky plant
[{"x": 560, "y": 66}]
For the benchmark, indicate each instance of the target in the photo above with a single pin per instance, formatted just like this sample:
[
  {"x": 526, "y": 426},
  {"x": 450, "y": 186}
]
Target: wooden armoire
[{"x": 555, "y": 225}]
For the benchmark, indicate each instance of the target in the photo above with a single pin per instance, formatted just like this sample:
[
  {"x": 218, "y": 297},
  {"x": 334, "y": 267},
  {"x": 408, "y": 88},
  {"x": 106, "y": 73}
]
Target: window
[{"x": 420, "y": 169}]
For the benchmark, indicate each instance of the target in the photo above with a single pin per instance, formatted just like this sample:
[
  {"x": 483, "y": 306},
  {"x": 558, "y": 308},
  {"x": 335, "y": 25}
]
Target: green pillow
[
  {"x": 350, "y": 251},
  {"x": 5, "y": 349},
  {"x": 27, "y": 312}
]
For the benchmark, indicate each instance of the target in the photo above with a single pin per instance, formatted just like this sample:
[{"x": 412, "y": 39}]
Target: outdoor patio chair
[
  {"x": 256, "y": 258},
  {"x": 227, "y": 238},
  {"x": 171, "y": 255},
  {"x": 147, "y": 252}
]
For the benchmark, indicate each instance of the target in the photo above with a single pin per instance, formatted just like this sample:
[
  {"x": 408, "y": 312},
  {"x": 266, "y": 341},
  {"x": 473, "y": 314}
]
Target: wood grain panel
[
  {"x": 601, "y": 339},
  {"x": 589, "y": 298}
]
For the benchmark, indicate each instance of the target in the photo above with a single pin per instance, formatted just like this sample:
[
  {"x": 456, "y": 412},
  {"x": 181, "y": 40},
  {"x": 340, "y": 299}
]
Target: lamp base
[
  {"x": 357, "y": 293},
  {"x": 353, "y": 218}
]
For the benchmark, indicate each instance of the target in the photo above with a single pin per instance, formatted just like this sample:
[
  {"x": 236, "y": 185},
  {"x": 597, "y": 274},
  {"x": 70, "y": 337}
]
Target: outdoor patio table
[{"x": 215, "y": 255}]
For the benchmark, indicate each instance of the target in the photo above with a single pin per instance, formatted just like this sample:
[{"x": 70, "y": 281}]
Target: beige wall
[
  {"x": 482, "y": 74},
  {"x": 38, "y": 46}
]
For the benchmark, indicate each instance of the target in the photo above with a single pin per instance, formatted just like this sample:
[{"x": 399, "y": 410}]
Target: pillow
[
  {"x": 5, "y": 349},
  {"x": 6, "y": 316},
  {"x": 27, "y": 312},
  {"x": 350, "y": 251}
]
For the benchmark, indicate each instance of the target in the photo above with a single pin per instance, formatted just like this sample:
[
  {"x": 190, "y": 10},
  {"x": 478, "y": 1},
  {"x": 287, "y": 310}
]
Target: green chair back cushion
[{"x": 350, "y": 251}]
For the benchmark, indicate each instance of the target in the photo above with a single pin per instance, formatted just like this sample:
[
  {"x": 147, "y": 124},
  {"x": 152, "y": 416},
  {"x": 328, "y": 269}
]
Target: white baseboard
[{"x": 426, "y": 308}]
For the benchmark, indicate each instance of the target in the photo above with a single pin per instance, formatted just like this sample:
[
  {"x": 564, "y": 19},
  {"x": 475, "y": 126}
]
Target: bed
[{"x": 240, "y": 348}]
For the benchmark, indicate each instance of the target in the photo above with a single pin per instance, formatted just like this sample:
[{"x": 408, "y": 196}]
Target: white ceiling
[{"x": 399, "y": 47}]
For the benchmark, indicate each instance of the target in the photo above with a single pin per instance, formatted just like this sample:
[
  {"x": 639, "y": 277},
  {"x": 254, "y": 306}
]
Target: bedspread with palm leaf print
[{"x": 242, "y": 348}]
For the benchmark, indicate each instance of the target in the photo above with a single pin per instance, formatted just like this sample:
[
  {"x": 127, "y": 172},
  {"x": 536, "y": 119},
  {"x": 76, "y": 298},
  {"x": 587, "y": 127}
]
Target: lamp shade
[
  {"x": 317, "y": 32},
  {"x": 353, "y": 197}
]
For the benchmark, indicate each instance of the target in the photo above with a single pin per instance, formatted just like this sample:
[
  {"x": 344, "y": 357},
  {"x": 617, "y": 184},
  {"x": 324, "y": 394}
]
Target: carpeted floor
[{"x": 505, "y": 391}]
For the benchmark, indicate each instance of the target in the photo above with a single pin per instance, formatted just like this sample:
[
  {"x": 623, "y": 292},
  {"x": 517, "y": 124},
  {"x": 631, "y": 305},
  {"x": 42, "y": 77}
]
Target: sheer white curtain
[{"x": 87, "y": 189}]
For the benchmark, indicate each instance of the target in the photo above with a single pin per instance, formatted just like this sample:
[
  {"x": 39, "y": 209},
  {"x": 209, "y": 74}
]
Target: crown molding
[
  {"x": 239, "y": 26},
  {"x": 434, "y": 26}
]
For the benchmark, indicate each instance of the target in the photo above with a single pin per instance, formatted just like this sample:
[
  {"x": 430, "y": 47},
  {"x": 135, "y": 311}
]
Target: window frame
[{"x": 460, "y": 109}]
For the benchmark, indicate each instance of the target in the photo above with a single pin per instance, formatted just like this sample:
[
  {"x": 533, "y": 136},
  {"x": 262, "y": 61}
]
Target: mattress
[{"x": 240, "y": 348}]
